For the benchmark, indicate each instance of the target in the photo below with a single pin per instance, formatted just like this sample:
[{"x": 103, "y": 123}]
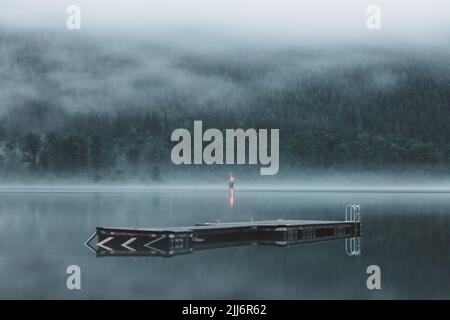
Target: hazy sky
[{"x": 266, "y": 20}]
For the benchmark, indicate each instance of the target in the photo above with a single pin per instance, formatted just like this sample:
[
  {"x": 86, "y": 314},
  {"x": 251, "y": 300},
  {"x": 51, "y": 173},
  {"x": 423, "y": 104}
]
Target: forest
[{"x": 109, "y": 117}]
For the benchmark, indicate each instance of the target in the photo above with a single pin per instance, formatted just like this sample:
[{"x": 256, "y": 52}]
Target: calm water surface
[{"x": 407, "y": 235}]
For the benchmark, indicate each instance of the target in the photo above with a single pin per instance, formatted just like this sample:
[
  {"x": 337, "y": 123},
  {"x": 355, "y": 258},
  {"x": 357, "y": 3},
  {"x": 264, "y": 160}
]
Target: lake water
[{"x": 406, "y": 234}]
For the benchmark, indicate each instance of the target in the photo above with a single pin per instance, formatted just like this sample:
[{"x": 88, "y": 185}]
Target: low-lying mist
[{"x": 46, "y": 77}]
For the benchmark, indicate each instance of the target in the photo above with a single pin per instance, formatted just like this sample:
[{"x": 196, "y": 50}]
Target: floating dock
[{"x": 181, "y": 240}]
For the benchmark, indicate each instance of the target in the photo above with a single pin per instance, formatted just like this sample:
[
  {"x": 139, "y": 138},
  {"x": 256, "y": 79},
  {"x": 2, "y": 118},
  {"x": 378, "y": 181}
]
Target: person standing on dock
[{"x": 231, "y": 179}]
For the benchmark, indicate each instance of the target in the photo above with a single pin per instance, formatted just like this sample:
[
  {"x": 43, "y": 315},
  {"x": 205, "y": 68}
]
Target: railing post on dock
[{"x": 353, "y": 213}]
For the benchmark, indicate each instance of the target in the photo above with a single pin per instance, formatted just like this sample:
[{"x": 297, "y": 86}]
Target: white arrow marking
[
  {"x": 153, "y": 241},
  {"x": 156, "y": 250},
  {"x": 125, "y": 244},
  {"x": 101, "y": 244}
]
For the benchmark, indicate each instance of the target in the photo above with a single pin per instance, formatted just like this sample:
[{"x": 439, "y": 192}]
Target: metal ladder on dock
[{"x": 353, "y": 245}]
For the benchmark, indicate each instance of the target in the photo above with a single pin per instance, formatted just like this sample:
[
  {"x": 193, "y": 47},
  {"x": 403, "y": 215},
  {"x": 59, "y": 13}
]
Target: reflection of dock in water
[{"x": 180, "y": 240}]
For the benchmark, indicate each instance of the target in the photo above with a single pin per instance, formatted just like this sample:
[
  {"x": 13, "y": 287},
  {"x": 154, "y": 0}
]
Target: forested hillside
[{"x": 102, "y": 111}]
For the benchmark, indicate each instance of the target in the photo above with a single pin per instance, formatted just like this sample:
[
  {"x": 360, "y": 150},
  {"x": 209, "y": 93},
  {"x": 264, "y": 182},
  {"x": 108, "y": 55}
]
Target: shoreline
[{"x": 219, "y": 188}]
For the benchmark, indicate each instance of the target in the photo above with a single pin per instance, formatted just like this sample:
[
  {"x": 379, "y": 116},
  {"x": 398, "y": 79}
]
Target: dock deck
[{"x": 180, "y": 240}]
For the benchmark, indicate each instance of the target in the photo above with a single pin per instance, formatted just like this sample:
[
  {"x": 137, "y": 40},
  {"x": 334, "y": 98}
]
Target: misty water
[{"x": 41, "y": 233}]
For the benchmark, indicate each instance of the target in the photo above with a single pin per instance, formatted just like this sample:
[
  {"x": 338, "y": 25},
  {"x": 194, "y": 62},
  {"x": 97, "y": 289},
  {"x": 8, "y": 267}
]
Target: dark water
[{"x": 407, "y": 235}]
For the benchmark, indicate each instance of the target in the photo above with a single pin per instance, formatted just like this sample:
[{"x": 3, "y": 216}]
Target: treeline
[
  {"x": 364, "y": 150},
  {"x": 139, "y": 149},
  {"x": 128, "y": 150}
]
